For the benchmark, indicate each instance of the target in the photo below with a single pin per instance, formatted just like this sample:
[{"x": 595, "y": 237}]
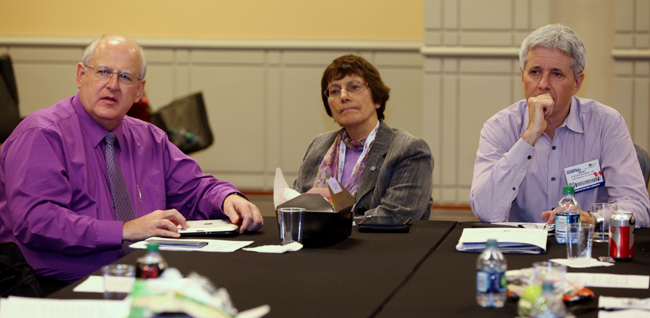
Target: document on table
[
  {"x": 511, "y": 240},
  {"x": 95, "y": 284},
  {"x": 633, "y": 313},
  {"x": 623, "y": 303},
  {"x": 610, "y": 280},
  {"x": 73, "y": 308},
  {"x": 541, "y": 226},
  {"x": 223, "y": 246}
]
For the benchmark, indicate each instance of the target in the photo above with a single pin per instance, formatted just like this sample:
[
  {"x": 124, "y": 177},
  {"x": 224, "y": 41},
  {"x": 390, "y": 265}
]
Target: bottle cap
[
  {"x": 152, "y": 247},
  {"x": 547, "y": 285},
  {"x": 568, "y": 189},
  {"x": 491, "y": 242}
]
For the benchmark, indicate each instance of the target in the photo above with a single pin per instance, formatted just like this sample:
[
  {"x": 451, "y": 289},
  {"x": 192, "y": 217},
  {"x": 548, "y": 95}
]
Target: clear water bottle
[
  {"x": 566, "y": 212},
  {"x": 491, "y": 276},
  {"x": 151, "y": 265},
  {"x": 548, "y": 305},
  {"x": 183, "y": 139}
]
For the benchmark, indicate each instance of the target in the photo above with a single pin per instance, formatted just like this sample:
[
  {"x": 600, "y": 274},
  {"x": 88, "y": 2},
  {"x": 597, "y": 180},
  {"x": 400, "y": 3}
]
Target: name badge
[{"x": 584, "y": 176}]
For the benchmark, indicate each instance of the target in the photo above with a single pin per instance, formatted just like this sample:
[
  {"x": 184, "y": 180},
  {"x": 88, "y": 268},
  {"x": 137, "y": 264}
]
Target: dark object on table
[
  {"x": 322, "y": 225},
  {"x": 385, "y": 224}
]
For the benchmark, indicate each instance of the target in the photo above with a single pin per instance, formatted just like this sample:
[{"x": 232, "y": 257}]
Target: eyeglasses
[
  {"x": 106, "y": 73},
  {"x": 351, "y": 87}
]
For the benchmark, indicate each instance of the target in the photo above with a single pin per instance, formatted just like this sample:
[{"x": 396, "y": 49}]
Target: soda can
[{"x": 621, "y": 235}]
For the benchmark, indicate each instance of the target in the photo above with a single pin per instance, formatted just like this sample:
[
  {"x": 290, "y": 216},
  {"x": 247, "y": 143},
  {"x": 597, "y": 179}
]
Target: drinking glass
[{"x": 599, "y": 211}]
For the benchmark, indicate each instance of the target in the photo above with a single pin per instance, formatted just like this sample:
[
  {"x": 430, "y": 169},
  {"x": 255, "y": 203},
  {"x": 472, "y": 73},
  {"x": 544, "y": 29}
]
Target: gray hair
[
  {"x": 559, "y": 37},
  {"x": 90, "y": 51}
]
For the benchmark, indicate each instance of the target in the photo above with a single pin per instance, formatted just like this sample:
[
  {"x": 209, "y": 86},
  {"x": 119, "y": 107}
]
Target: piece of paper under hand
[
  {"x": 277, "y": 249},
  {"x": 511, "y": 240},
  {"x": 281, "y": 190},
  {"x": 223, "y": 246}
]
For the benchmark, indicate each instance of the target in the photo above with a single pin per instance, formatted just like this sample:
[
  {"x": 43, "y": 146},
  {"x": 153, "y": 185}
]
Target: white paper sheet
[
  {"x": 511, "y": 240},
  {"x": 275, "y": 249},
  {"x": 281, "y": 190},
  {"x": 21, "y": 307},
  {"x": 223, "y": 246},
  {"x": 592, "y": 263},
  {"x": 540, "y": 226},
  {"x": 624, "y": 314},
  {"x": 95, "y": 284},
  {"x": 623, "y": 303},
  {"x": 610, "y": 280}
]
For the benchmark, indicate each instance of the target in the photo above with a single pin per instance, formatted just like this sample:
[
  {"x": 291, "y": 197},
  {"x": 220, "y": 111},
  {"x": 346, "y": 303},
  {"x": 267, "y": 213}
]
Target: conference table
[{"x": 413, "y": 274}]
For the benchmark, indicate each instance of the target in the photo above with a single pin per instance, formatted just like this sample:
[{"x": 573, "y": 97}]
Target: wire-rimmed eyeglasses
[
  {"x": 106, "y": 73},
  {"x": 352, "y": 87}
]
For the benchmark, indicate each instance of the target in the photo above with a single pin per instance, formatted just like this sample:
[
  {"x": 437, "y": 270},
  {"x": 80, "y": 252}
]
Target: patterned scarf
[{"x": 329, "y": 166}]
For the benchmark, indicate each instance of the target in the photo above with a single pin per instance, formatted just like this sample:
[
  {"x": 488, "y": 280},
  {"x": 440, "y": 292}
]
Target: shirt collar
[
  {"x": 574, "y": 121},
  {"x": 95, "y": 131}
]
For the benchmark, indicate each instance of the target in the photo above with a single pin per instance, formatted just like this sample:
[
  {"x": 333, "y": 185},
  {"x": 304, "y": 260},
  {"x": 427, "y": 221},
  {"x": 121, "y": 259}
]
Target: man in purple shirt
[
  {"x": 527, "y": 150},
  {"x": 55, "y": 193}
]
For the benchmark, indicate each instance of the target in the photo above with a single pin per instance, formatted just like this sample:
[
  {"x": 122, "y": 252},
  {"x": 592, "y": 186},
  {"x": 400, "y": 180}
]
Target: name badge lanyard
[{"x": 366, "y": 148}]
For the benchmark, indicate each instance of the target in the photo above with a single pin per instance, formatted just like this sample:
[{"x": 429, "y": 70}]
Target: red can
[{"x": 621, "y": 235}]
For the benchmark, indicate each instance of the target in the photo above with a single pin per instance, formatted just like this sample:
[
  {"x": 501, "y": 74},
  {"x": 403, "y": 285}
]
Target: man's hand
[
  {"x": 241, "y": 211},
  {"x": 157, "y": 223},
  {"x": 539, "y": 108},
  {"x": 585, "y": 217}
]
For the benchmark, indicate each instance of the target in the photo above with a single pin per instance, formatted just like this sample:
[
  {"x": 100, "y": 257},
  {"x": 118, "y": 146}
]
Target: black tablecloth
[
  {"x": 445, "y": 284},
  {"x": 352, "y": 278}
]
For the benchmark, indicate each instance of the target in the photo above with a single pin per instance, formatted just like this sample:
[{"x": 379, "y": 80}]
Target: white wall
[{"x": 263, "y": 96}]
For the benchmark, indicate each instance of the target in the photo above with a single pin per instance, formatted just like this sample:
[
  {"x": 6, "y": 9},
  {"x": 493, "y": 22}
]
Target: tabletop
[{"x": 352, "y": 278}]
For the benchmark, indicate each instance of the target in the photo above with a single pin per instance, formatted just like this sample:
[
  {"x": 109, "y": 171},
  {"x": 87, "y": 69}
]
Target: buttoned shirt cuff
[
  {"x": 522, "y": 152},
  {"x": 109, "y": 234}
]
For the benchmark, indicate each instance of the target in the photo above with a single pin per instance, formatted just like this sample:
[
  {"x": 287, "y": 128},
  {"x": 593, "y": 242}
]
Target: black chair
[
  {"x": 644, "y": 161},
  {"x": 8, "y": 98},
  {"x": 186, "y": 122},
  {"x": 17, "y": 278}
]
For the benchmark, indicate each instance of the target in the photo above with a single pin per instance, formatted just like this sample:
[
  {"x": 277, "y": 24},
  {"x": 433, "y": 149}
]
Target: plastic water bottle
[
  {"x": 567, "y": 212},
  {"x": 491, "y": 276},
  {"x": 151, "y": 265},
  {"x": 183, "y": 139},
  {"x": 548, "y": 305}
]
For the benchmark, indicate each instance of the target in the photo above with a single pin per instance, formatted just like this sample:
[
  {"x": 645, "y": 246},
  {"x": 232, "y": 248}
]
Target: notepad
[{"x": 511, "y": 240}]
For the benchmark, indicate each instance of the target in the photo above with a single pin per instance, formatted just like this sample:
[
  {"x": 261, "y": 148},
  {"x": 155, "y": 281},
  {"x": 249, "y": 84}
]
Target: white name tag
[
  {"x": 334, "y": 185},
  {"x": 584, "y": 176}
]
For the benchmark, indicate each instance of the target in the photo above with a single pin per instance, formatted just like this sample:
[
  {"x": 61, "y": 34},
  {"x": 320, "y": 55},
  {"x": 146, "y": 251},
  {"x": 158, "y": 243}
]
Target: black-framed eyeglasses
[
  {"x": 352, "y": 87},
  {"x": 106, "y": 73}
]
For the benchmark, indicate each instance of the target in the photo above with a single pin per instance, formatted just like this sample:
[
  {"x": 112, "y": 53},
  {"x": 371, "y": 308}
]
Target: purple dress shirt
[
  {"x": 515, "y": 181},
  {"x": 55, "y": 198}
]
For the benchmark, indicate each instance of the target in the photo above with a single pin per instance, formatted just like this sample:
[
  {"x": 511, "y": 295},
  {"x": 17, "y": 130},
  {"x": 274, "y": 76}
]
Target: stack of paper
[
  {"x": 82, "y": 308},
  {"x": 511, "y": 240}
]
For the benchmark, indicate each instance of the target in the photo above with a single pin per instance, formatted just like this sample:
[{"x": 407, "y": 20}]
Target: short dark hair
[{"x": 356, "y": 65}]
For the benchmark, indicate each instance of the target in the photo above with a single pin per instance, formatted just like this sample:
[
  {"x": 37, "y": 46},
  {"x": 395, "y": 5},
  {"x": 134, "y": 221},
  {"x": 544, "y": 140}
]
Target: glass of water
[{"x": 600, "y": 211}]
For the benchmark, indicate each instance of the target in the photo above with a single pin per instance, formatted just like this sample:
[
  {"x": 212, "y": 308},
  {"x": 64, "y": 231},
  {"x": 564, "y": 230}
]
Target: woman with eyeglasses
[{"x": 388, "y": 171}]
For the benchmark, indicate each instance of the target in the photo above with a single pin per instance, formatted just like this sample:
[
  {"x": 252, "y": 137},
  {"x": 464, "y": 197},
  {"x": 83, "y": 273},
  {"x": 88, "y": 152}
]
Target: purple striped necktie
[{"x": 119, "y": 191}]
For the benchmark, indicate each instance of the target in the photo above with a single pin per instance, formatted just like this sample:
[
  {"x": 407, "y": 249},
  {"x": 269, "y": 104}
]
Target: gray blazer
[{"x": 398, "y": 178}]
